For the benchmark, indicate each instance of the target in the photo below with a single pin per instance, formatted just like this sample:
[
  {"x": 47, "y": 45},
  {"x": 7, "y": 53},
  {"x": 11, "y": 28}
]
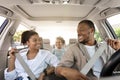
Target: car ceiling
[{"x": 56, "y": 10}]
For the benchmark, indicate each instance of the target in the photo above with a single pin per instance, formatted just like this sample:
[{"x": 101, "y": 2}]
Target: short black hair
[
  {"x": 89, "y": 23},
  {"x": 26, "y": 35}
]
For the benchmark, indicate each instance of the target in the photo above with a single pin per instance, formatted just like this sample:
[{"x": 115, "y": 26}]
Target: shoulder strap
[
  {"x": 25, "y": 66},
  {"x": 91, "y": 62}
]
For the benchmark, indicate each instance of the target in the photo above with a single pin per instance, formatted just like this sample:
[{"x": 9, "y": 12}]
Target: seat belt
[
  {"x": 25, "y": 66},
  {"x": 91, "y": 62}
]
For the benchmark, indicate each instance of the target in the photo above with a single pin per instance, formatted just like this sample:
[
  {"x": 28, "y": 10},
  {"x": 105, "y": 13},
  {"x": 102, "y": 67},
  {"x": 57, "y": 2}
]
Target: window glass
[
  {"x": 2, "y": 19},
  {"x": 115, "y": 23},
  {"x": 3, "y": 22},
  {"x": 17, "y": 36},
  {"x": 97, "y": 34}
]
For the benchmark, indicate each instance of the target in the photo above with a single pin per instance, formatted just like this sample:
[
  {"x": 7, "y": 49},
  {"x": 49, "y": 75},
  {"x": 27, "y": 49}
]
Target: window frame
[
  {"x": 111, "y": 29},
  {"x": 3, "y": 26}
]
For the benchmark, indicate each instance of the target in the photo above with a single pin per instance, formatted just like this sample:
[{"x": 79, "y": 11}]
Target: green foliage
[
  {"x": 117, "y": 31},
  {"x": 17, "y": 36},
  {"x": 97, "y": 36}
]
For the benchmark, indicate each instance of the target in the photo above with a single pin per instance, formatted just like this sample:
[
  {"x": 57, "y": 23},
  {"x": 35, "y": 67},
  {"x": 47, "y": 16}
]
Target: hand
[
  {"x": 50, "y": 70},
  {"x": 115, "y": 44},
  {"x": 42, "y": 75},
  {"x": 70, "y": 74},
  {"x": 12, "y": 53},
  {"x": 11, "y": 61}
]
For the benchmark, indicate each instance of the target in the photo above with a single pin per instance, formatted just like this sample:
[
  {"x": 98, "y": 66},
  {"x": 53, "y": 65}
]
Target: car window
[
  {"x": 17, "y": 36},
  {"x": 97, "y": 34},
  {"x": 115, "y": 23},
  {"x": 3, "y": 22}
]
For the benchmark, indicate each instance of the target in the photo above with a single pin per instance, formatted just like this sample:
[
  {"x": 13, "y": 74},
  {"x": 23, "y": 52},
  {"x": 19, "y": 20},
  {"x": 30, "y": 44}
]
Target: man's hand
[{"x": 115, "y": 44}]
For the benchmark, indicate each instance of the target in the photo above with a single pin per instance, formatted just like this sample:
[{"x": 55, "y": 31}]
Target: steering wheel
[{"x": 112, "y": 63}]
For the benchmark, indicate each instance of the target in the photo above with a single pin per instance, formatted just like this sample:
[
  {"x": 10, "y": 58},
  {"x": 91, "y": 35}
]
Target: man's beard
[{"x": 83, "y": 42}]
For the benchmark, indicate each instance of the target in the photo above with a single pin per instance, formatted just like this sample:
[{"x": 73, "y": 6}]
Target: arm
[
  {"x": 70, "y": 74},
  {"x": 51, "y": 60},
  {"x": 46, "y": 72},
  {"x": 65, "y": 67},
  {"x": 10, "y": 72},
  {"x": 68, "y": 61}
]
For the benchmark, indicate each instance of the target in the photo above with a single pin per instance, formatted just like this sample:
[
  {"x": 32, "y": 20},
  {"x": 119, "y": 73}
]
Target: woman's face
[{"x": 34, "y": 42}]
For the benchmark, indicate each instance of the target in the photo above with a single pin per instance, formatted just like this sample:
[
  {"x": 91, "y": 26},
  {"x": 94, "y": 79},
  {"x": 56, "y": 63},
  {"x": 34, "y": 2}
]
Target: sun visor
[{"x": 110, "y": 12}]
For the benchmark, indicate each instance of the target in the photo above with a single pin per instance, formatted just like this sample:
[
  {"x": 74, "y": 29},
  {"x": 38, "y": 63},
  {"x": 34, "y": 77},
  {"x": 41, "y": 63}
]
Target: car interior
[{"x": 52, "y": 18}]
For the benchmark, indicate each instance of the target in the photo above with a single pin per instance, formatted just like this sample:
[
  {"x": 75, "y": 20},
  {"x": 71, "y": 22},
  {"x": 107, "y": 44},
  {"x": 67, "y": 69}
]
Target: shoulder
[
  {"x": 44, "y": 52},
  {"x": 73, "y": 46},
  {"x": 23, "y": 52}
]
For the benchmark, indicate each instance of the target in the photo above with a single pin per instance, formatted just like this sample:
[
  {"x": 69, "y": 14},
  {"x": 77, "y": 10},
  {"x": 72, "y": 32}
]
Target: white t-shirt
[{"x": 98, "y": 64}]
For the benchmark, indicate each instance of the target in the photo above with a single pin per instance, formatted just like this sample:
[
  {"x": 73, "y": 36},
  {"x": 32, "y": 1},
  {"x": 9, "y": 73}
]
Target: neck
[
  {"x": 31, "y": 54},
  {"x": 31, "y": 51},
  {"x": 91, "y": 42}
]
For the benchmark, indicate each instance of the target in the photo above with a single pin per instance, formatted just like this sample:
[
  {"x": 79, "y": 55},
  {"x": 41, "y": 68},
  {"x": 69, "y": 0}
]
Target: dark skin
[
  {"x": 48, "y": 70},
  {"x": 33, "y": 44},
  {"x": 88, "y": 39},
  {"x": 85, "y": 36},
  {"x": 115, "y": 44}
]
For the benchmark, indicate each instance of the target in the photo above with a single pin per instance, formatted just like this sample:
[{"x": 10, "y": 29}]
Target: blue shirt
[
  {"x": 37, "y": 65},
  {"x": 58, "y": 52}
]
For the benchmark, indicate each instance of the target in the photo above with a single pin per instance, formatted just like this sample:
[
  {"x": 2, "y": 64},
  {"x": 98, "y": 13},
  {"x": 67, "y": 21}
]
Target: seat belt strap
[
  {"x": 91, "y": 62},
  {"x": 25, "y": 66}
]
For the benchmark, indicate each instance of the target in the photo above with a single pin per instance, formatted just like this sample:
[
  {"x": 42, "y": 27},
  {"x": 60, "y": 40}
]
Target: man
[{"x": 78, "y": 55}]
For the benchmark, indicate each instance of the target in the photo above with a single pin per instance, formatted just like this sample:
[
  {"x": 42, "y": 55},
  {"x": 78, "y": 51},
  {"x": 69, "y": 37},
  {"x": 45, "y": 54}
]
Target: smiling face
[
  {"x": 59, "y": 44},
  {"x": 34, "y": 42},
  {"x": 85, "y": 33}
]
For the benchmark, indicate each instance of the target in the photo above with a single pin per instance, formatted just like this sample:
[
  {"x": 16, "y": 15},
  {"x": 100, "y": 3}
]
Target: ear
[
  {"x": 92, "y": 30},
  {"x": 27, "y": 42}
]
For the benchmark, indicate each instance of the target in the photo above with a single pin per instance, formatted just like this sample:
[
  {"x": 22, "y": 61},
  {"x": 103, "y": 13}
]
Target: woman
[{"x": 35, "y": 58}]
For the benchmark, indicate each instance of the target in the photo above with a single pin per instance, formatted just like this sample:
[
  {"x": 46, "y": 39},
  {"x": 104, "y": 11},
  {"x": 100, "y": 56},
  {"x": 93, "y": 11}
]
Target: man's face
[{"x": 85, "y": 33}]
